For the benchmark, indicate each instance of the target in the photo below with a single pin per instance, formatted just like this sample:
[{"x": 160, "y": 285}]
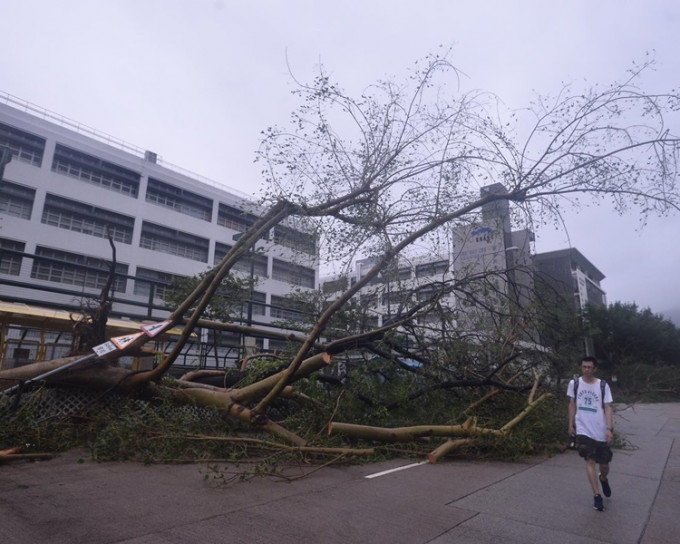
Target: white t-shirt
[{"x": 590, "y": 417}]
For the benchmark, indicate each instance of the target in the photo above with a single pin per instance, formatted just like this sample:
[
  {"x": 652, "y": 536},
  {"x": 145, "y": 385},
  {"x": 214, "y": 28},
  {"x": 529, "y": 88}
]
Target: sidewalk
[{"x": 71, "y": 502}]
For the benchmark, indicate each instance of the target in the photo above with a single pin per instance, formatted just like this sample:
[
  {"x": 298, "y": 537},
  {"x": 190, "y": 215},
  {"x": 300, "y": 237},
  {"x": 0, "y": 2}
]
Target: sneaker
[
  {"x": 605, "y": 487},
  {"x": 598, "y": 504}
]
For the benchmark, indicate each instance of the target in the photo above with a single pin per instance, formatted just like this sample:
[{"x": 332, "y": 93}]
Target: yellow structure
[{"x": 31, "y": 333}]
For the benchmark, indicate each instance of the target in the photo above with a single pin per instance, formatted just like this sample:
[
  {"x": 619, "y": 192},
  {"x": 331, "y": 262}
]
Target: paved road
[{"x": 66, "y": 501}]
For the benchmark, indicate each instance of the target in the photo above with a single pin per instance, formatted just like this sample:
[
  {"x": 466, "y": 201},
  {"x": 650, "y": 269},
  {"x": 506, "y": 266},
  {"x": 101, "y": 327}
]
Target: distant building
[
  {"x": 409, "y": 281},
  {"x": 497, "y": 260},
  {"x": 566, "y": 283},
  {"x": 573, "y": 277},
  {"x": 67, "y": 184},
  {"x": 504, "y": 278}
]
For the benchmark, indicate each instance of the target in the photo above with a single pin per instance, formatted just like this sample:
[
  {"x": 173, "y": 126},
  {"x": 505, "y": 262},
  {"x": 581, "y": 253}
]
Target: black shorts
[{"x": 592, "y": 449}]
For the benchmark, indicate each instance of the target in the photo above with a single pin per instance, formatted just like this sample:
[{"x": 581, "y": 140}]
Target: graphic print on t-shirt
[{"x": 588, "y": 400}]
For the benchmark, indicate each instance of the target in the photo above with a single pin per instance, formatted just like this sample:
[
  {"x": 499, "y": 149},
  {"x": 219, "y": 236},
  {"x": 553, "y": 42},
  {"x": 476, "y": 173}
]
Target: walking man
[{"x": 590, "y": 420}]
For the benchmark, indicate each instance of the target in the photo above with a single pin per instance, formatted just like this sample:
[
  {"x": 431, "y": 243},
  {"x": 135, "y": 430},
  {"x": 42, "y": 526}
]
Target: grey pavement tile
[
  {"x": 488, "y": 529},
  {"x": 554, "y": 498},
  {"x": 661, "y": 529}
]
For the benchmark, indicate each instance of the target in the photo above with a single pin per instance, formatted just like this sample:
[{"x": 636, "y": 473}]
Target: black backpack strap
[{"x": 603, "y": 384}]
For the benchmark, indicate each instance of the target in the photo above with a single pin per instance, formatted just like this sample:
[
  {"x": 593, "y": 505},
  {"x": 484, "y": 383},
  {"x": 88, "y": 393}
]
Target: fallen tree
[{"x": 405, "y": 164}]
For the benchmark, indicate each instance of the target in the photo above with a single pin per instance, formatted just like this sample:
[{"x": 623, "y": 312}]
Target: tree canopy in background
[{"x": 623, "y": 333}]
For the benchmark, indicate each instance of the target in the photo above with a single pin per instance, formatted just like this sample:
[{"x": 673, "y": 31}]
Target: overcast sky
[{"x": 197, "y": 80}]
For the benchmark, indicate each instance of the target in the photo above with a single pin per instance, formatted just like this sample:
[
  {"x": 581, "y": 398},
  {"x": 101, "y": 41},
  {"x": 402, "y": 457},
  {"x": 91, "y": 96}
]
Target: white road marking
[{"x": 375, "y": 475}]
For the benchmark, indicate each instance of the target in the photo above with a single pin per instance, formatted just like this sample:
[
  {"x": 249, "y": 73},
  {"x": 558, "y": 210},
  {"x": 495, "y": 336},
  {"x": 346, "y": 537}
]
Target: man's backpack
[{"x": 602, "y": 386}]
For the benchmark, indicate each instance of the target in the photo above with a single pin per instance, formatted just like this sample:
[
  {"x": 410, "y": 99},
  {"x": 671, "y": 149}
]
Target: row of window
[
  {"x": 91, "y": 220},
  {"x": 255, "y": 262},
  {"x": 71, "y": 162},
  {"x": 393, "y": 298},
  {"x": 79, "y": 270},
  {"x": 179, "y": 200},
  {"x": 17, "y": 201},
  {"x": 174, "y": 242},
  {"x": 436, "y": 268},
  {"x": 74, "y": 269},
  {"x": 156, "y": 281},
  {"x": 93, "y": 170}
]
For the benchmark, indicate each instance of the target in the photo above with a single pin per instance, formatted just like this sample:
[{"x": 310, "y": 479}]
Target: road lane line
[{"x": 376, "y": 474}]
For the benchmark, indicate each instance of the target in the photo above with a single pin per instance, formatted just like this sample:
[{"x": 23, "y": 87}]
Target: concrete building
[
  {"x": 503, "y": 279},
  {"x": 67, "y": 184},
  {"x": 497, "y": 262},
  {"x": 411, "y": 280},
  {"x": 573, "y": 277},
  {"x": 567, "y": 282},
  {"x": 486, "y": 249}
]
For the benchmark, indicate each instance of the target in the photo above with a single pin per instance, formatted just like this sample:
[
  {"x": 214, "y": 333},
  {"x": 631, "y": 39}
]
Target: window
[
  {"x": 283, "y": 308},
  {"x": 10, "y": 256},
  {"x": 426, "y": 293},
  {"x": 174, "y": 242},
  {"x": 333, "y": 286},
  {"x": 396, "y": 297},
  {"x": 404, "y": 273},
  {"x": 180, "y": 200},
  {"x": 16, "y": 200},
  {"x": 259, "y": 303},
  {"x": 370, "y": 299},
  {"x": 432, "y": 269},
  {"x": 78, "y": 217},
  {"x": 220, "y": 251},
  {"x": 259, "y": 265},
  {"x": 233, "y": 218},
  {"x": 74, "y": 269},
  {"x": 295, "y": 239},
  {"x": 23, "y": 145},
  {"x": 293, "y": 274},
  {"x": 147, "y": 279},
  {"x": 96, "y": 171}
]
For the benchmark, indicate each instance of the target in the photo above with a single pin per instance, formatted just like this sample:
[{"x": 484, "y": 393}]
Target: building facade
[
  {"x": 572, "y": 276},
  {"x": 68, "y": 187},
  {"x": 567, "y": 282},
  {"x": 497, "y": 263},
  {"x": 393, "y": 291},
  {"x": 500, "y": 281}
]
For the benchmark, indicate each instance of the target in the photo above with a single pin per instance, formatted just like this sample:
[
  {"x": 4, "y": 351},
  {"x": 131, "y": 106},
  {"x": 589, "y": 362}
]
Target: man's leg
[
  {"x": 592, "y": 476},
  {"x": 604, "y": 470}
]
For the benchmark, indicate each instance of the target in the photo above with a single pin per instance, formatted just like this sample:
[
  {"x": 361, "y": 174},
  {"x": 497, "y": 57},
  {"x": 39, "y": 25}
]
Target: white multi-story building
[
  {"x": 413, "y": 279},
  {"x": 499, "y": 279},
  {"x": 495, "y": 259},
  {"x": 66, "y": 185}
]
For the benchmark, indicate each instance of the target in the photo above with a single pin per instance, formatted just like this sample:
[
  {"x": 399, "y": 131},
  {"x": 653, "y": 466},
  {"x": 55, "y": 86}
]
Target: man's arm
[
  {"x": 572, "y": 416},
  {"x": 610, "y": 422}
]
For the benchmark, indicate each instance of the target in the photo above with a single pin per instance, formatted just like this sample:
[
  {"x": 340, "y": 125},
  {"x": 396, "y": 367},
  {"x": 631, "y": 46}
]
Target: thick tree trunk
[
  {"x": 447, "y": 447},
  {"x": 405, "y": 434},
  {"x": 13, "y": 376}
]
